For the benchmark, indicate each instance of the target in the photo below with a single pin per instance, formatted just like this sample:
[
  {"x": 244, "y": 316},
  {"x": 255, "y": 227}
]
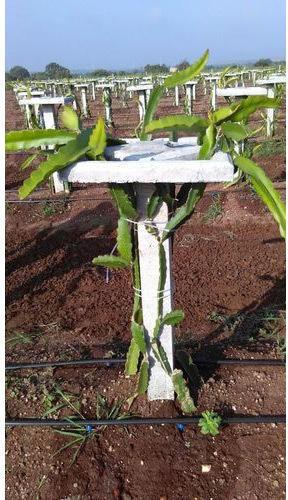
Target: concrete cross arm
[
  {"x": 240, "y": 91},
  {"x": 42, "y": 101}
]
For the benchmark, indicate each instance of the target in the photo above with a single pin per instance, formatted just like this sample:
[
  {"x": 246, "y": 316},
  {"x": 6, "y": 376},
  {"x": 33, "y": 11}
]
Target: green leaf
[
  {"x": 69, "y": 118},
  {"x": 181, "y": 77},
  {"x": 157, "y": 328},
  {"x": 181, "y": 214},
  {"x": 162, "y": 276},
  {"x": 182, "y": 391},
  {"x": 222, "y": 114},
  {"x": 27, "y": 139},
  {"x": 122, "y": 197},
  {"x": 153, "y": 204},
  {"x": 177, "y": 123},
  {"x": 111, "y": 261},
  {"x": 132, "y": 358},
  {"x": 143, "y": 378},
  {"x": 153, "y": 102},
  {"x": 251, "y": 104},
  {"x": 234, "y": 131},
  {"x": 138, "y": 336},
  {"x": 185, "y": 361},
  {"x": 173, "y": 318},
  {"x": 124, "y": 242},
  {"x": 66, "y": 155},
  {"x": 28, "y": 161},
  {"x": 161, "y": 356},
  {"x": 209, "y": 423},
  {"x": 265, "y": 189},
  {"x": 177, "y": 79},
  {"x": 97, "y": 141},
  {"x": 209, "y": 141}
]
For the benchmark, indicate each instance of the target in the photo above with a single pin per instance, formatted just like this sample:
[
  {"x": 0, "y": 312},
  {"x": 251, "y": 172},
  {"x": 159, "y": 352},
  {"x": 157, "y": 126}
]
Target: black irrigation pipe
[
  {"x": 50, "y": 422},
  {"x": 57, "y": 200},
  {"x": 117, "y": 361}
]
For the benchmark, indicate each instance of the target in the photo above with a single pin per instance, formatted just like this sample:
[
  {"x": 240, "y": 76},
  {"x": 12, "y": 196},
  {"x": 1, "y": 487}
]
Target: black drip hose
[
  {"x": 50, "y": 422},
  {"x": 113, "y": 361}
]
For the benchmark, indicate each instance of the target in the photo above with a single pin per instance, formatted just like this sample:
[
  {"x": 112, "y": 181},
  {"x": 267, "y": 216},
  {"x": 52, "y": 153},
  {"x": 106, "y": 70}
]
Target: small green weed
[
  {"x": 209, "y": 423},
  {"x": 80, "y": 434},
  {"x": 21, "y": 338},
  {"x": 214, "y": 210}
]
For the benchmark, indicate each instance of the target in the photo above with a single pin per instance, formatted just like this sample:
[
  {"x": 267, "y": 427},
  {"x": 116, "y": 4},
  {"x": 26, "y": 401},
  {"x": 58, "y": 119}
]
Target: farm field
[{"x": 229, "y": 272}]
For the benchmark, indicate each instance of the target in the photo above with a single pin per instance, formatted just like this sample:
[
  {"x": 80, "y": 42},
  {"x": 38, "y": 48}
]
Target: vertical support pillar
[
  {"x": 49, "y": 121},
  {"x": 107, "y": 105},
  {"x": 93, "y": 91},
  {"x": 270, "y": 113},
  {"x": 194, "y": 92},
  {"x": 176, "y": 95},
  {"x": 189, "y": 98},
  {"x": 84, "y": 100},
  {"x": 213, "y": 94},
  {"x": 160, "y": 384},
  {"x": 142, "y": 103}
]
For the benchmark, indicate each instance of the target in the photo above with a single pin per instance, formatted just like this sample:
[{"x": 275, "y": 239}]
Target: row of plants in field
[{"x": 223, "y": 129}]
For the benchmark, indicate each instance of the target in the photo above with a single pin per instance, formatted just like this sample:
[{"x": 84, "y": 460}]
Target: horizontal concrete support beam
[
  {"x": 218, "y": 169},
  {"x": 240, "y": 91}
]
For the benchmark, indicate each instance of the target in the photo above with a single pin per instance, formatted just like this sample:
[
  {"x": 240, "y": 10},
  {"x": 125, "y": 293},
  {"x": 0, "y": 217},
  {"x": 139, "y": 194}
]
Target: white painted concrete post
[
  {"x": 93, "y": 91},
  {"x": 49, "y": 121},
  {"x": 188, "y": 90},
  {"x": 160, "y": 385},
  {"x": 194, "y": 92},
  {"x": 142, "y": 104},
  {"x": 213, "y": 91},
  {"x": 270, "y": 113},
  {"x": 176, "y": 95},
  {"x": 84, "y": 100},
  {"x": 158, "y": 163},
  {"x": 107, "y": 105}
]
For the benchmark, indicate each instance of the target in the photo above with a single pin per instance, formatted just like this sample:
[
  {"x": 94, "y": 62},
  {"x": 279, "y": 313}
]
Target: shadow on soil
[{"x": 71, "y": 238}]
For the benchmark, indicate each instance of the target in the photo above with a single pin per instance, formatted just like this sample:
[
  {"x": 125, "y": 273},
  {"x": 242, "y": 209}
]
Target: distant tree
[
  {"x": 54, "y": 70},
  {"x": 263, "y": 62},
  {"x": 19, "y": 73},
  {"x": 156, "y": 68},
  {"x": 182, "y": 65},
  {"x": 101, "y": 72},
  {"x": 7, "y": 77},
  {"x": 39, "y": 75}
]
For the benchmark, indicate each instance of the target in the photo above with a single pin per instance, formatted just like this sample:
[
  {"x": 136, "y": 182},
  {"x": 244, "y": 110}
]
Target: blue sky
[{"x": 123, "y": 34}]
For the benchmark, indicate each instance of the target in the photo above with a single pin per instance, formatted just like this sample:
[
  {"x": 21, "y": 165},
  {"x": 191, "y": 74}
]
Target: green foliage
[
  {"x": 156, "y": 69},
  {"x": 71, "y": 152},
  {"x": 143, "y": 377},
  {"x": 183, "y": 212},
  {"x": 178, "y": 78},
  {"x": 173, "y": 318},
  {"x": 183, "y": 65},
  {"x": 214, "y": 210},
  {"x": 27, "y": 139},
  {"x": 262, "y": 63},
  {"x": 124, "y": 242},
  {"x": 234, "y": 131},
  {"x": 110, "y": 261},
  {"x": 193, "y": 124},
  {"x": 97, "y": 140},
  {"x": 209, "y": 423},
  {"x": 18, "y": 73},
  {"x": 265, "y": 189},
  {"x": 69, "y": 119},
  {"x": 182, "y": 391},
  {"x": 132, "y": 358},
  {"x": 138, "y": 336},
  {"x": 56, "y": 71}
]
